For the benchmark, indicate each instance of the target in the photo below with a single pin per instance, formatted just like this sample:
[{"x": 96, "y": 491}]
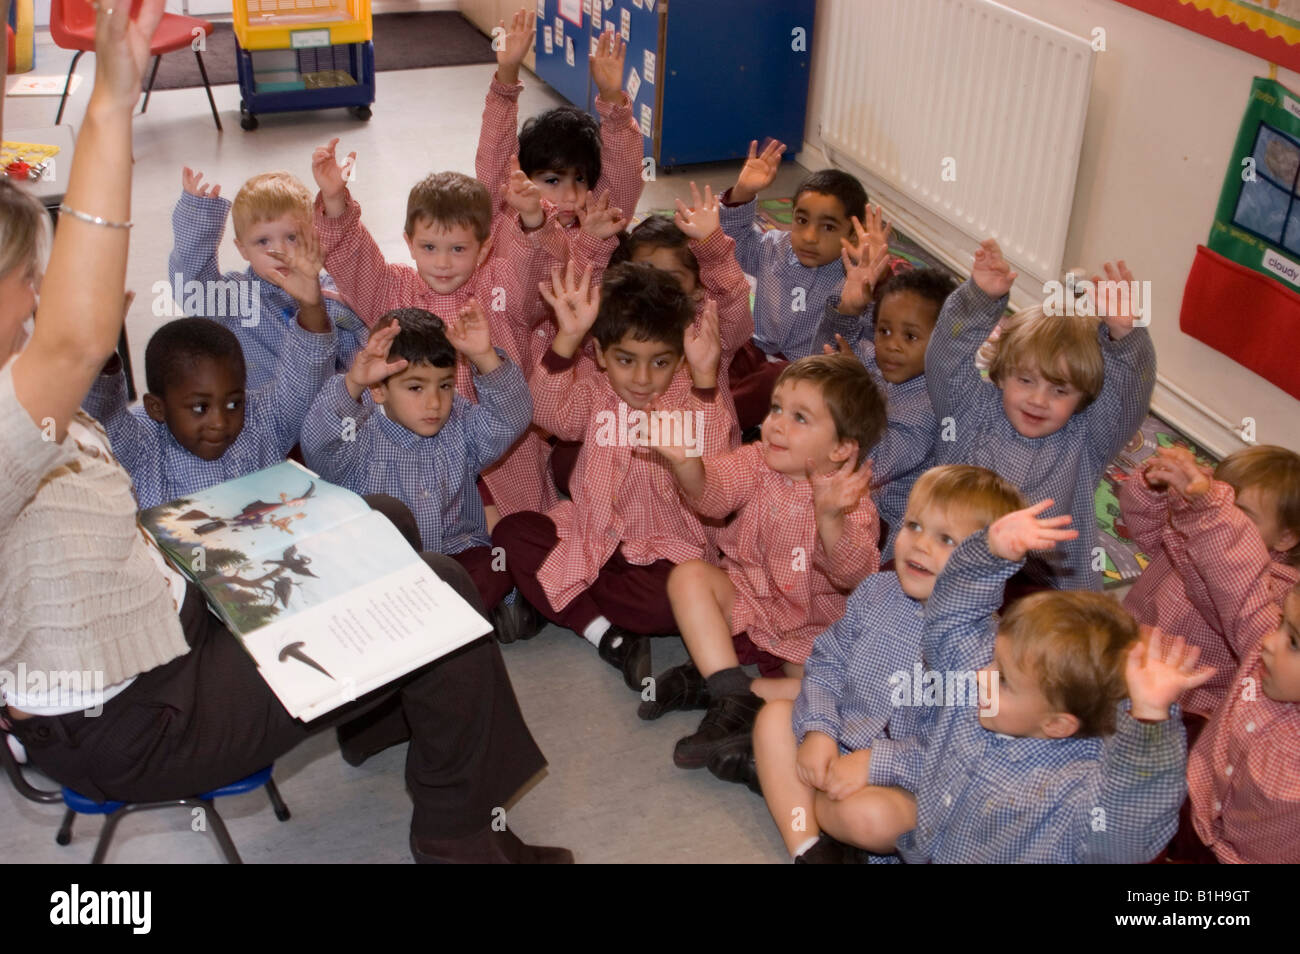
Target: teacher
[{"x": 83, "y": 589}]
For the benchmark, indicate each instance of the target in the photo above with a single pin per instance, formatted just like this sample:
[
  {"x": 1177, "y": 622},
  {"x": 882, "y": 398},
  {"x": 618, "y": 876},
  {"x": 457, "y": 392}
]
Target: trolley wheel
[
  {"x": 246, "y": 119},
  {"x": 362, "y": 113}
]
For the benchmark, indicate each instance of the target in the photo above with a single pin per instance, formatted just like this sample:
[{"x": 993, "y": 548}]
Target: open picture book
[{"x": 325, "y": 594}]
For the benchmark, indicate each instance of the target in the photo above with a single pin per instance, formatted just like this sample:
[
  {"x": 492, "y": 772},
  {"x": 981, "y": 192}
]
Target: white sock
[
  {"x": 596, "y": 630},
  {"x": 806, "y": 845}
]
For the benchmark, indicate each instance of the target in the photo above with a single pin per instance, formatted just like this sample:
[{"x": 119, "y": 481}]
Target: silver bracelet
[{"x": 93, "y": 219}]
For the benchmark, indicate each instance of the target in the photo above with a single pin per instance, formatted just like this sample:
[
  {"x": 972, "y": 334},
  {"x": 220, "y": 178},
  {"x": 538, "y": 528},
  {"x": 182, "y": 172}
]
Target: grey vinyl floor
[{"x": 611, "y": 793}]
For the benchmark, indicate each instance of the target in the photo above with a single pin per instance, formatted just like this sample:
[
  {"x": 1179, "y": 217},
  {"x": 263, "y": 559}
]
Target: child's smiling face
[
  {"x": 446, "y": 256},
  {"x": 925, "y": 541},
  {"x": 1035, "y": 405},
  {"x": 799, "y": 428},
  {"x": 820, "y": 221},
  {"x": 639, "y": 371}
]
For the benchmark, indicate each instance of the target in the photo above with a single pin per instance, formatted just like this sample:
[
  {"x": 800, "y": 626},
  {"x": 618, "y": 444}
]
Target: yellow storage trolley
[{"x": 303, "y": 54}]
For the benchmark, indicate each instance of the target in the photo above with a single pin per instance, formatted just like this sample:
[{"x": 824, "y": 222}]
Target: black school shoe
[
  {"x": 681, "y": 687},
  {"x": 627, "y": 652},
  {"x": 728, "y": 718},
  {"x": 515, "y": 621},
  {"x": 828, "y": 851},
  {"x": 733, "y": 761}
]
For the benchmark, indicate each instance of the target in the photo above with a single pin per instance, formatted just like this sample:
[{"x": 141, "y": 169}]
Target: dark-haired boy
[
  {"x": 563, "y": 150},
  {"x": 200, "y": 425},
  {"x": 891, "y": 343},
  {"x": 599, "y": 565},
  {"x": 395, "y": 425},
  {"x": 795, "y": 271},
  {"x": 448, "y": 231}
]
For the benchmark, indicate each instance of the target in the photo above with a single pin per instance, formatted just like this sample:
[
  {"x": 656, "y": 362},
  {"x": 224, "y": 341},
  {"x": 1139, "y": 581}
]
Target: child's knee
[
  {"x": 688, "y": 579},
  {"x": 774, "y": 721}
]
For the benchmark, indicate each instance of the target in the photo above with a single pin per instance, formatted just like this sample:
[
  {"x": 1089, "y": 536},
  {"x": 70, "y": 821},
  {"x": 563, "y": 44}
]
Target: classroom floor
[{"x": 611, "y": 793}]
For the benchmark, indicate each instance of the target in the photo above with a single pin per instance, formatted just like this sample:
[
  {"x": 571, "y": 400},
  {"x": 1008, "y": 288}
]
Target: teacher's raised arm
[{"x": 80, "y": 312}]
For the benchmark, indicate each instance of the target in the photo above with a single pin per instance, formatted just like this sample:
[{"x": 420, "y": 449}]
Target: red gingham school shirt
[
  {"x": 1161, "y": 594},
  {"x": 1243, "y": 775},
  {"x": 788, "y": 589},
  {"x": 521, "y": 479},
  {"x": 622, "y": 495}
]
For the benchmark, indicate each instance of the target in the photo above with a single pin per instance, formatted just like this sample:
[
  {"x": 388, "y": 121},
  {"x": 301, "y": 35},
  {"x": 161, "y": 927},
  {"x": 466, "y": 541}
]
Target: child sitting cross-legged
[
  {"x": 600, "y": 564},
  {"x": 804, "y": 537},
  {"x": 201, "y": 424},
  {"x": 1065, "y": 394},
  {"x": 1048, "y": 763},
  {"x": 271, "y": 214},
  {"x": 1263, "y": 483},
  {"x": 856, "y": 721},
  {"x": 394, "y": 424},
  {"x": 448, "y": 233}
]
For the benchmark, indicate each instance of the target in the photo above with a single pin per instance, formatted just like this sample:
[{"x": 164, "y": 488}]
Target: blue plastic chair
[{"x": 115, "y": 811}]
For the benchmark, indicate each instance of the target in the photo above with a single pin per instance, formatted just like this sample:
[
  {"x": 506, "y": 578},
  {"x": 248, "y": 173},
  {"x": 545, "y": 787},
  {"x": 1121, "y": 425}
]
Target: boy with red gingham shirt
[
  {"x": 448, "y": 219},
  {"x": 1257, "y": 480},
  {"x": 1242, "y": 783},
  {"x": 599, "y": 564}
]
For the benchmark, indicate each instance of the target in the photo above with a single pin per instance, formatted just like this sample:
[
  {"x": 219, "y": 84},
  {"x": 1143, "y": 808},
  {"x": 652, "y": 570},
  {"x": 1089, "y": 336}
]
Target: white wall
[{"x": 1165, "y": 107}]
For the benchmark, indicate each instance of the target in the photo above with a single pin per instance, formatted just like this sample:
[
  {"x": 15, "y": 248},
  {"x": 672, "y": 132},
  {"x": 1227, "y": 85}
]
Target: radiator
[{"x": 968, "y": 110}]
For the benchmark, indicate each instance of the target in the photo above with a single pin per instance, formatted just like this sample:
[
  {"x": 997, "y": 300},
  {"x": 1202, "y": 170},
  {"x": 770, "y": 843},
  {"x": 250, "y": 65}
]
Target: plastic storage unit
[
  {"x": 705, "y": 76},
  {"x": 303, "y": 54}
]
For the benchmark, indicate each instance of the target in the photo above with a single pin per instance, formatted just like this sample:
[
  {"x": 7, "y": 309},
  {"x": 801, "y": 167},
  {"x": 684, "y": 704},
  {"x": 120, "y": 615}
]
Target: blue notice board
[{"x": 562, "y": 47}]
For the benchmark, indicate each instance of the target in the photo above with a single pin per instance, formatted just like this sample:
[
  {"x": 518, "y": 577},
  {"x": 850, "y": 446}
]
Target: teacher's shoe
[{"x": 486, "y": 847}]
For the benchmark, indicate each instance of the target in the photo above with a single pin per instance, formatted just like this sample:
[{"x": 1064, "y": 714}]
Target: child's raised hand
[
  {"x": 1176, "y": 468},
  {"x": 848, "y": 775},
  {"x": 371, "y": 365},
  {"x": 607, "y": 66},
  {"x": 1120, "y": 323},
  {"x": 523, "y": 195},
  {"x": 702, "y": 218},
  {"x": 814, "y": 757},
  {"x": 331, "y": 178},
  {"x": 838, "y": 492},
  {"x": 1158, "y": 671},
  {"x": 879, "y": 230},
  {"x": 598, "y": 218},
  {"x": 574, "y": 302},
  {"x": 471, "y": 335},
  {"x": 304, "y": 262},
  {"x": 840, "y": 347},
  {"x": 1011, "y": 537},
  {"x": 703, "y": 346},
  {"x": 192, "y": 182},
  {"x": 864, "y": 267},
  {"x": 513, "y": 43},
  {"x": 759, "y": 170},
  {"x": 992, "y": 273}
]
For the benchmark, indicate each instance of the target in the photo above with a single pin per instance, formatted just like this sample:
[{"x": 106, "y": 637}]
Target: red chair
[{"x": 72, "y": 27}]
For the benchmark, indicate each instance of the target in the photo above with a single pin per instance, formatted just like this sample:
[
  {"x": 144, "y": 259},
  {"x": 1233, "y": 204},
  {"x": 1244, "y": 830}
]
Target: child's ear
[
  {"x": 600, "y": 357},
  {"x": 153, "y": 406},
  {"x": 242, "y": 251},
  {"x": 844, "y": 450},
  {"x": 410, "y": 246},
  {"x": 1287, "y": 540},
  {"x": 484, "y": 251},
  {"x": 379, "y": 393},
  {"x": 1061, "y": 725}
]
